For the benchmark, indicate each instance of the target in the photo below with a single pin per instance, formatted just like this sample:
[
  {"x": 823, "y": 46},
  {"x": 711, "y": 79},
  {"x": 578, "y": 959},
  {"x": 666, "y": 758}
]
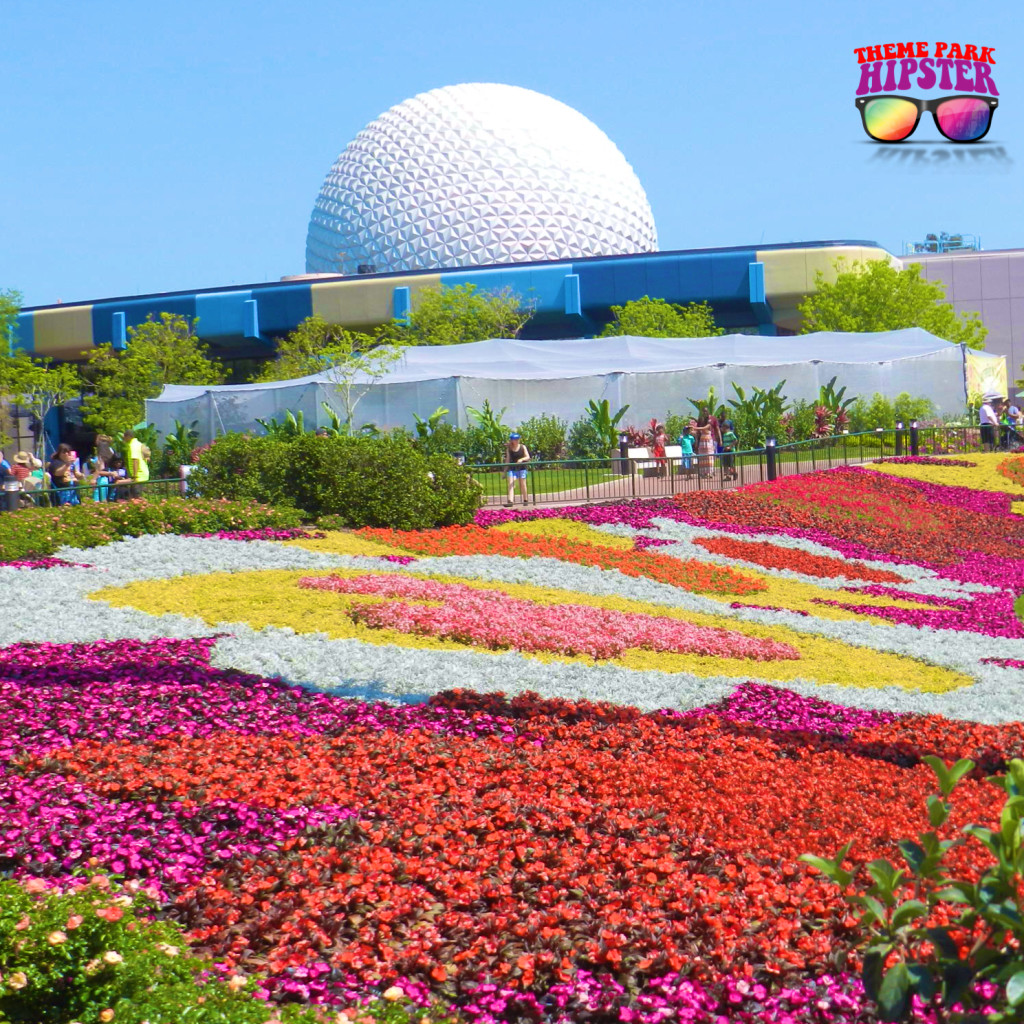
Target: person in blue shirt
[{"x": 685, "y": 442}]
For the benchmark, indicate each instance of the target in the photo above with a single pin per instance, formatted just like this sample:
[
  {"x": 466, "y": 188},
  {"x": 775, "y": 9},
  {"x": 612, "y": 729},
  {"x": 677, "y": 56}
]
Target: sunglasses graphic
[{"x": 959, "y": 118}]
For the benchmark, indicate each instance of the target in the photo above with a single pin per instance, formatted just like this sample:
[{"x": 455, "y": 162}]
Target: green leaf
[
  {"x": 913, "y": 853},
  {"x": 894, "y": 993},
  {"x": 907, "y": 912},
  {"x": 1015, "y": 989},
  {"x": 871, "y": 971},
  {"x": 948, "y": 777},
  {"x": 941, "y": 939},
  {"x": 938, "y": 811},
  {"x": 921, "y": 980}
]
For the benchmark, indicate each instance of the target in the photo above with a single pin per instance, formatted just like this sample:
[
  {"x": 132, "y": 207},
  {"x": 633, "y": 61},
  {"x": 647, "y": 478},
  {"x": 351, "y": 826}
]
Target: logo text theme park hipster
[{"x": 890, "y": 66}]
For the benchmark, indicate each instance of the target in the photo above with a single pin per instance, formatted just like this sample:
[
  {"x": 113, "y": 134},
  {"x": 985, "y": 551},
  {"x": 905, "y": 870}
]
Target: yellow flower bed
[
  {"x": 985, "y": 476},
  {"x": 271, "y": 598}
]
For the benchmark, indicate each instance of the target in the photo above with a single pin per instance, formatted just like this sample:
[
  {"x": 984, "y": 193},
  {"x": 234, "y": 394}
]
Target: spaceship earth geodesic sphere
[{"x": 475, "y": 174}]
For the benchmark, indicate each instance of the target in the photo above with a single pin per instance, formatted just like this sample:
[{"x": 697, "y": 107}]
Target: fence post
[
  {"x": 899, "y": 438},
  {"x": 586, "y": 479},
  {"x": 915, "y": 439},
  {"x": 769, "y": 457}
]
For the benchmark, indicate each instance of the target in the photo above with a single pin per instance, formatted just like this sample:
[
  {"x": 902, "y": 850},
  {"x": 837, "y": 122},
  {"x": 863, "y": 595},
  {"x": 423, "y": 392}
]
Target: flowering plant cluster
[
  {"x": 772, "y": 556},
  {"x": 926, "y": 460},
  {"x": 262, "y": 533},
  {"x": 41, "y": 563},
  {"x": 473, "y": 540},
  {"x": 93, "y": 951},
  {"x": 36, "y": 533},
  {"x": 492, "y": 618},
  {"x": 547, "y": 856},
  {"x": 557, "y": 851},
  {"x": 1013, "y": 470}
]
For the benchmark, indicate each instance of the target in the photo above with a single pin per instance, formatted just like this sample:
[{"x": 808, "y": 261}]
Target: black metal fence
[
  {"x": 619, "y": 477},
  {"x": 89, "y": 493}
]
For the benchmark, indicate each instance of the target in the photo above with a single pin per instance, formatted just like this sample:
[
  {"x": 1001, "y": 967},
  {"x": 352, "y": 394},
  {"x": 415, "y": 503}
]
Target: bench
[{"x": 640, "y": 461}]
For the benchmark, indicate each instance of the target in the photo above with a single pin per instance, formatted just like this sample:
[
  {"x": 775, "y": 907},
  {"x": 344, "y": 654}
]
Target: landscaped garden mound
[{"x": 553, "y": 766}]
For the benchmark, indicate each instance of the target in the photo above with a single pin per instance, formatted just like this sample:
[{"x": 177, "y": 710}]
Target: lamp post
[
  {"x": 915, "y": 438},
  {"x": 12, "y": 488},
  {"x": 899, "y": 438},
  {"x": 769, "y": 458}
]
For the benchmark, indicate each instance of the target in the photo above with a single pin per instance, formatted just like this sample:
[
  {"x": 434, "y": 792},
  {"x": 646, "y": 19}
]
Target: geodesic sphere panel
[{"x": 476, "y": 174}]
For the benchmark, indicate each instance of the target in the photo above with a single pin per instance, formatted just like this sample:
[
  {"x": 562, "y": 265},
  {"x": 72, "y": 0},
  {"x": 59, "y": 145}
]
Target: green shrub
[
  {"x": 39, "y": 532},
  {"x": 916, "y": 917},
  {"x": 94, "y": 953},
  {"x": 585, "y": 440},
  {"x": 364, "y": 481},
  {"x": 906, "y": 409},
  {"x": 674, "y": 423},
  {"x": 444, "y": 439},
  {"x": 799, "y": 421},
  {"x": 544, "y": 436}
]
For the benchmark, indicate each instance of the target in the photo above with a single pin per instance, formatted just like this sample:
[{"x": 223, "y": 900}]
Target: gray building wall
[{"x": 989, "y": 283}]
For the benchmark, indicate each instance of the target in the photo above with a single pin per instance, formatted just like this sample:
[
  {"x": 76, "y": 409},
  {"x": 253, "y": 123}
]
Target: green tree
[
  {"x": 313, "y": 347},
  {"x": 461, "y": 313},
  {"x": 657, "y": 318},
  {"x": 160, "y": 351},
  {"x": 873, "y": 295},
  {"x": 10, "y": 306},
  {"x": 351, "y": 361},
  {"x": 38, "y": 386}
]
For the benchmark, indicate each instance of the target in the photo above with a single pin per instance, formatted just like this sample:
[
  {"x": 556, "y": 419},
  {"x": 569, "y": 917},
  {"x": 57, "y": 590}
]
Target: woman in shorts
[{"x": 516, "y": 456}]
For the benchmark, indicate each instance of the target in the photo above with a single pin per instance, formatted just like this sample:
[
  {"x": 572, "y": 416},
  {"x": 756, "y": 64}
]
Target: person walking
[{"x": 516, "y": 457}]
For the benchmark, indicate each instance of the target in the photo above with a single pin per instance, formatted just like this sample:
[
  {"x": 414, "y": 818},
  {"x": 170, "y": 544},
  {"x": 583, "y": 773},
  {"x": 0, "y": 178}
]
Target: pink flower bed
[{"x": 493, "y": 619}]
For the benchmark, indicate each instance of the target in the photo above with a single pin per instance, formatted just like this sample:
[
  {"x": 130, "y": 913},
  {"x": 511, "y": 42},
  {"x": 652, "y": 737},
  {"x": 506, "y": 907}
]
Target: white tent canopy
[{"x": 653, "y": 376}]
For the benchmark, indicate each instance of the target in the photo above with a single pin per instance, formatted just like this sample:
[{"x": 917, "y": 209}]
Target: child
[
  {"x": 685, "y": 442},
  {"x": 729, "y": 440}
]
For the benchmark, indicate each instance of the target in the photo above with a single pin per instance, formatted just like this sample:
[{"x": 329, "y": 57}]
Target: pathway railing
[
  {"x": 89, "y": 493},
  {"x": 568, "y": 481}
]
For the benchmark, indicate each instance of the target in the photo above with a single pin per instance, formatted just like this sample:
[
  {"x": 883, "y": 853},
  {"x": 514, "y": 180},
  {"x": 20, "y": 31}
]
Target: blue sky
[{"x": 154, "y": 147}]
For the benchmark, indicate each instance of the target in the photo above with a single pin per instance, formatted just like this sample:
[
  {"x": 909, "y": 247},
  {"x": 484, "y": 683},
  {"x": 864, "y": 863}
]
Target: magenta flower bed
[
  {"x": 43, "y": 563},
  {"x": 263, "y": 533}
]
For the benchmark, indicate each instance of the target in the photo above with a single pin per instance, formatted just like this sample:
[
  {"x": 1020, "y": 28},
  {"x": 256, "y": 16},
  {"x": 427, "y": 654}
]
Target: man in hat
[
  {"x": 23, "y": 469},
  {"x": 988, "y": 420}
]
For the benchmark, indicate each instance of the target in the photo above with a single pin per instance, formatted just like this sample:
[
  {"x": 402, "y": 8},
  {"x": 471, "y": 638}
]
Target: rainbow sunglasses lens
[
  {"x": 889, "y": 118},
  {"x": 964, "y": 118}
]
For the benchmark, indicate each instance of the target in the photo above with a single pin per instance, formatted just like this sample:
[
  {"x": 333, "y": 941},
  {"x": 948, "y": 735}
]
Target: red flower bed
[
  {"x": 474, "y": 540},
  {"x": 521, "y": 862},
  {"x": 772, "y": 556},
  {"x": 873, "y": 511}
]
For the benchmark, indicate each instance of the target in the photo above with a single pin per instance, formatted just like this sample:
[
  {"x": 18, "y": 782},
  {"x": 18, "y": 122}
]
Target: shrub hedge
[
  {"x": 364, "y": 481},
  {"x": 39, "y": 532}
]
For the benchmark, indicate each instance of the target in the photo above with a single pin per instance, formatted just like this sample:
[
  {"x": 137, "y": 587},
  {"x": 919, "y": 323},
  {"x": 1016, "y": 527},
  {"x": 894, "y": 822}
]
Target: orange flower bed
[{"x": 474, "y": 540}]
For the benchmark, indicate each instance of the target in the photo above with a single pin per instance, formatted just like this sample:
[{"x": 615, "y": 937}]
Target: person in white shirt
[{"x": 988, "y": 420}]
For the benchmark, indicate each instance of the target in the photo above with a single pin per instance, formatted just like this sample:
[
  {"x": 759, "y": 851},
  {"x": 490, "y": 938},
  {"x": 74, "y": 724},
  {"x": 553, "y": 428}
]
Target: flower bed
[{"x": 609, "y": 733}]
